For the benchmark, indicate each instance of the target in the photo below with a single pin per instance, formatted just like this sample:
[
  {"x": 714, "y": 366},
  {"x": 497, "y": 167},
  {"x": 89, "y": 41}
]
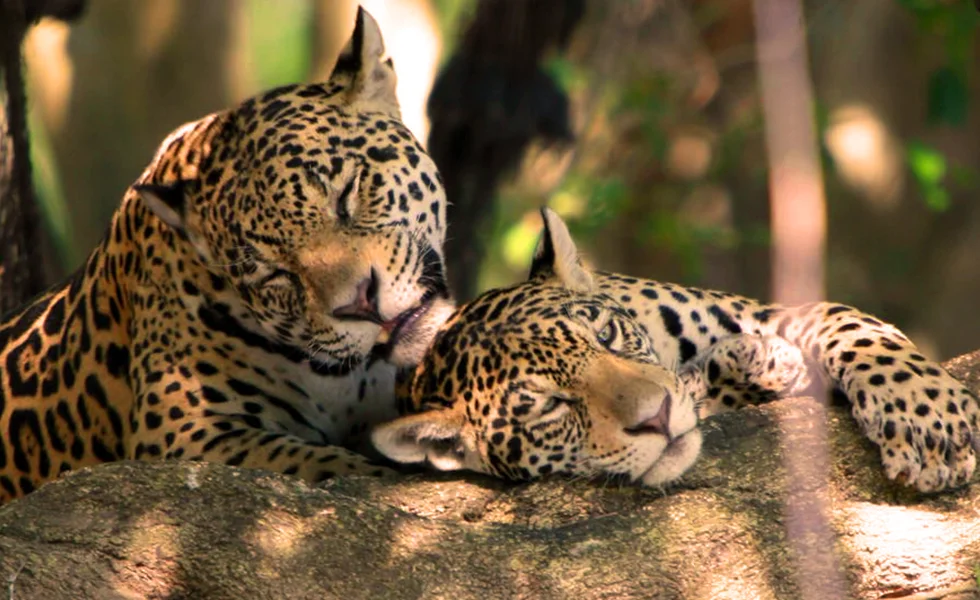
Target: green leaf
[
  {"x": 928, "y": 167},
  {"x": 928, "y": 164},
  {"x": 948, "y": 97}
]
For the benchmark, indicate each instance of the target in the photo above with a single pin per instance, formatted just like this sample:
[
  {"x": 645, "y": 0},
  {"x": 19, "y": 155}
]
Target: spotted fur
[
  {"x": 594, "y": 373},
  {"x": 254, "y": 291}
]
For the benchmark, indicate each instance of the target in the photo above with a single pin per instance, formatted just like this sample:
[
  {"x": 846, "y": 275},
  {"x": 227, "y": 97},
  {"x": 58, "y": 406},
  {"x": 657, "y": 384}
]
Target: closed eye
[
  {"x": 276, "y": 276},
  {"x": 556, "y": 402},
  {"x": 344, "y": 204}
]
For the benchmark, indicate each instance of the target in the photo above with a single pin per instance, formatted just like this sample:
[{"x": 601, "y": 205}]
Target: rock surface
[{"x": 191, "y": 530}]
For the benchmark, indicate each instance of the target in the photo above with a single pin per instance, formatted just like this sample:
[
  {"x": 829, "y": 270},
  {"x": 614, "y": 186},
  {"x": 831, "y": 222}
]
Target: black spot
[
  {"x": 714, "y": 371},
  {"x": 382, "y": 154},
  {"x": 153, "y": 420},
  {"x": 205, "y": 368},
  {"x": 213, "y": 395},
  {"x": 901, "y": 376},
  {"x": 672, "y": 321},
  {"x": 724, "y": 319},
  {"x": 688, "y": 349},
  {"x": 55, "y": 318}
]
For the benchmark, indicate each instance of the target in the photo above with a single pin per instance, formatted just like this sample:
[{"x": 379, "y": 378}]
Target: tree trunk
[
  {"x": 192, "y": 530},
  {"x": 488, "y": 104},
  {"x": 20, "y": 274}
]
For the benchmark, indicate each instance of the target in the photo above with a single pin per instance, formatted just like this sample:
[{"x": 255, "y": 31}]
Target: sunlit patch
[
  {"x": 411, "y": 538},
  {"x": 520, "y": 239},
  {"x": 734, "y": 569},
  {"x": 154, "y": 546},
  {"x": 866, "y": 155},
  {"x": 50, "y": 69},
  {"x": 689, "y": 155},
  {"x": 903, "y": 541},
  {"x": 280, "y": 535}
]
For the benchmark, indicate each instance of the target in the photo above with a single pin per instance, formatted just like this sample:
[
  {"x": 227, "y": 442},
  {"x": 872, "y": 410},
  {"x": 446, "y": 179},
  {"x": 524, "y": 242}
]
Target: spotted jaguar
[
  {"x": 257, "y": 287},
  {"x": 591, "y": 373}
]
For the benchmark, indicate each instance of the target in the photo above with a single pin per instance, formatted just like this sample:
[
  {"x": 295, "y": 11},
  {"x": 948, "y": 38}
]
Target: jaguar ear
[
  {"x": 372, "y": 79},
  {"x": 434, "y": 436},
  {"x": 557, "y": 256},
  {"x": 166, "y": 202}
]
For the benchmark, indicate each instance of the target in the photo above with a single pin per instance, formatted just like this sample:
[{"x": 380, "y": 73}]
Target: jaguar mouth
[
  {"x": 677, "y": 457},
  {"x": 393, "y": 330}
]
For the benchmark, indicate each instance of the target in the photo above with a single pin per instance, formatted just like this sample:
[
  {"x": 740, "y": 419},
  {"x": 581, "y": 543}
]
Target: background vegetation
[{"x": 668, "y": 175}]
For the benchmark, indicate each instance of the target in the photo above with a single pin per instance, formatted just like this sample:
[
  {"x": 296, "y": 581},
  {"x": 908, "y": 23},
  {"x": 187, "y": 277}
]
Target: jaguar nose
[
  {"x": 658, "y": 424},
  {"x": 365, "y": 304}
]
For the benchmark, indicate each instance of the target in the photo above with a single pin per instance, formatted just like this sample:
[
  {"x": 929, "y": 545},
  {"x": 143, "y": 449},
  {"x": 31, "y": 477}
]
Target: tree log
[{"x": 193, "y": 530}]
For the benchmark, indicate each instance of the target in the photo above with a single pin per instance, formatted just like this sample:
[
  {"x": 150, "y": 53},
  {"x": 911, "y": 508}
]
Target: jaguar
[
  {"x": 597, "y": 374},
  {"x": 255, "y": 292}
]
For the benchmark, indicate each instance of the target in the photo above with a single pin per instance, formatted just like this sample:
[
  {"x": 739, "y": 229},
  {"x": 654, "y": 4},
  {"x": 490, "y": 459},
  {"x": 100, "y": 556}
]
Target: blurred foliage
[
  {"x": 956, "y": 23},
  {"x": 280, "y": 38},
  {"x": 452, "y": 14},
  {"x": 592, "y": 199}
]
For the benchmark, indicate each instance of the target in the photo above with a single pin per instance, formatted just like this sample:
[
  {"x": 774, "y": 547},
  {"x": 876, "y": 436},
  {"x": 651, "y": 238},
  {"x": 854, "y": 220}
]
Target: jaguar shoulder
[
  {"x": 594, "y": 373},
  {"x": 255, "y": 288}
]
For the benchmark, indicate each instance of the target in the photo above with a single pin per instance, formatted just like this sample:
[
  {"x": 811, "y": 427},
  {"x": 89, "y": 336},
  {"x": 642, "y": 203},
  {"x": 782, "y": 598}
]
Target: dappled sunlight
[
  {"x": 734, "y": 569},
  {"x": 520, "y": 239},
  {"x": 569, "y": 204},
  {"x": 152, "y": 559},
  {"x": 280, "y": 535},
  {"x": 50, "y": 70},
  {"x": 899, "y": 540},
  {"x": 866, "y": 156},
  {"x": 689, "y": 154},
  {"x": 411, "y": 537}
]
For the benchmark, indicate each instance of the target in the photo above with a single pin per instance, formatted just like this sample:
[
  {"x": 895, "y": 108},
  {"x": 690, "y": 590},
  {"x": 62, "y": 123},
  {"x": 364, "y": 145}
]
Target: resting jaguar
[
  {"x": 252, "y": 296},
  {"x": 594, "y": 373}
]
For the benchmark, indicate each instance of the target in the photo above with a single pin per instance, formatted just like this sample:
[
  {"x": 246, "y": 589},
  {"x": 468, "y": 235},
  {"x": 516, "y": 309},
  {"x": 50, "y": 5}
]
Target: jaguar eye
[
  {"x": 344, "y": 202},
  {"x": 274, "y": 277},
  {"x": 607, "y": 335},
  {"x": 554, "y": 402}
]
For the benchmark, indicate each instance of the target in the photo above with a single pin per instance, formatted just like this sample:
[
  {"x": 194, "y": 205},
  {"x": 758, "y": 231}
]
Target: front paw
[{"x": 929, "y": 439}]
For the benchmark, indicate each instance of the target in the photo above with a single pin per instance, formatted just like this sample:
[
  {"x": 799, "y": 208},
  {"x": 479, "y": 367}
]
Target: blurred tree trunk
[
  {"x": 21, "y": 272},
  {"x": 489, "y": 102},
  {"x": 140, "y": 70}
]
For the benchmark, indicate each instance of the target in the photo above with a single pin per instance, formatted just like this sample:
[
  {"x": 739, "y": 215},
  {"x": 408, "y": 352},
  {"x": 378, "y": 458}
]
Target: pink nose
[
  {"x": 658, "y": 424},
  {"x": 365, "y": 304}
]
